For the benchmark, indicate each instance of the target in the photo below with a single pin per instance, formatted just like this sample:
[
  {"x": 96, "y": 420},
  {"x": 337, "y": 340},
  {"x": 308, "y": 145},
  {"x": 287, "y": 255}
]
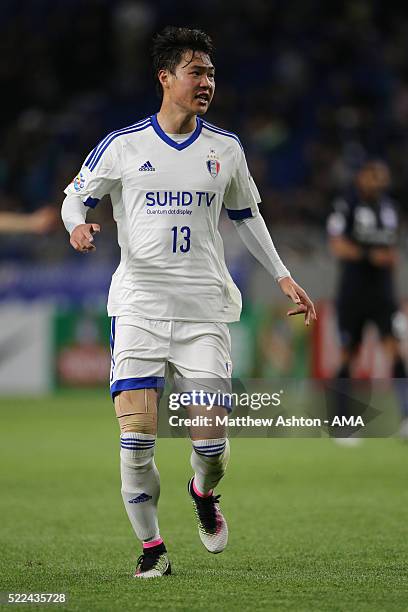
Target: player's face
[
  {"x": 373, "y": 179},
  {"x": 193, "y": 84}
]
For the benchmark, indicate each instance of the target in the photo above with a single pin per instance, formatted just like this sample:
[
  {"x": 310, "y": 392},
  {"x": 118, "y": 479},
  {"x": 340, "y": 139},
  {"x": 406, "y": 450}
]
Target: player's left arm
[
  {"x": 257, "y": 239},
  {"x": 241, "y": 202},
  {"x": 387, "y": 255},
  {"x": 298, "y": 295},
  {"x": 383, "y": 257}
]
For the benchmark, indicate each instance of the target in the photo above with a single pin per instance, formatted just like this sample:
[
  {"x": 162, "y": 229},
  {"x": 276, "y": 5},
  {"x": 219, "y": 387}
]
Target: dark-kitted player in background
[{"x": 363, "y": 231}]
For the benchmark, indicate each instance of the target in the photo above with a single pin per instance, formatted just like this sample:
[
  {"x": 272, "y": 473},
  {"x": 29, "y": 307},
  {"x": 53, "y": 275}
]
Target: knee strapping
[{"x": 136, "y": 410}]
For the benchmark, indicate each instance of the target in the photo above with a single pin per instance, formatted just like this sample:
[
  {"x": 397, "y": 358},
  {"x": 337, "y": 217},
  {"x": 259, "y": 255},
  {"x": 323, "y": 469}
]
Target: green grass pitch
[{"x": 313, "y": 526}]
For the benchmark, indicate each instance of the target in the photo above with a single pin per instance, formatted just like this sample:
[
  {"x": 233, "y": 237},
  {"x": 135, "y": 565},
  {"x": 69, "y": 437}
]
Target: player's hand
[
  {"x": 304, "y": 304},
  {"x": 82, "y": 237},
  {"x": 383, "y": 257}
]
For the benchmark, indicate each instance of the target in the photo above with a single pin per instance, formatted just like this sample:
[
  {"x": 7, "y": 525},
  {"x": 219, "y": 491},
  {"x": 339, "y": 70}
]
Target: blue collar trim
[{"x": 177, "y": 145}]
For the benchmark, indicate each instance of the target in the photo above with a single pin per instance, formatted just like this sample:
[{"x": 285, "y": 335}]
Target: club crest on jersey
[
  {"x": 79, "y": 182},
  {"x": 213, "y": 164}
]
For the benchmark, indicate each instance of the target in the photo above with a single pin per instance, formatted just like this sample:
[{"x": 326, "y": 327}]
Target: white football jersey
[{"x": 167, "y": 198}]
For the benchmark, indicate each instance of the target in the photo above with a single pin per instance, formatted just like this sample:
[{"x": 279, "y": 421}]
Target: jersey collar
[{"x": 172, "y": 143}]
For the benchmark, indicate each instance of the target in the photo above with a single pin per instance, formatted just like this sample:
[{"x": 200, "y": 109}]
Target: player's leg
[
  {"x": 346, "y": 359},
  {"x": 392, "y": 327},
  {"x": 134, "y": 386},
  {"x": 201, "y": 359},
  {"x": 200, "y": 356},
  {"x": 210, "y": 448},
  {"x": 209, "y": 459},
  {"x": 350, "y": 320},
  {"x": 136, "y": 411}
]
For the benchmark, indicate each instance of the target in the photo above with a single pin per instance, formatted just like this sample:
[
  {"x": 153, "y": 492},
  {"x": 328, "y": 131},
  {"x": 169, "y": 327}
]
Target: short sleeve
[
  {"x": 338, "y": 221},
  {"x": 99, "y": 174},
  {"x": 241, "y": 198}
]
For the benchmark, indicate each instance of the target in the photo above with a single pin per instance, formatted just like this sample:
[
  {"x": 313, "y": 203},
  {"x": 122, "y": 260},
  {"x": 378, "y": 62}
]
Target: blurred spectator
[
  {"x": 42, "y": 221},
  {"x": 311, "y": 91}
]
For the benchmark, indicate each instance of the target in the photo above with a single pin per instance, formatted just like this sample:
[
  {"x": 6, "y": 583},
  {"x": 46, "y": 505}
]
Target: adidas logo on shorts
[{"x": 147, "y": 167}]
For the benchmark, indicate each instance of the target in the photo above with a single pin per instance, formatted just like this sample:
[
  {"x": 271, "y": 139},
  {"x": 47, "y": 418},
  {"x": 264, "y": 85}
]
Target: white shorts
[{"x": 147, "y": 353}]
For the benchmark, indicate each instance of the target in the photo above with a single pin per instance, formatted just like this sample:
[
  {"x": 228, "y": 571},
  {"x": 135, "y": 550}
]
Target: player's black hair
[{"x": 169, "y": 45}]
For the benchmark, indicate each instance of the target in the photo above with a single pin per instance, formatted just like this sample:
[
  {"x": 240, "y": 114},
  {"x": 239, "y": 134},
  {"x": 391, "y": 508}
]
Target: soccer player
[
  {"x": 363, "y": 231},
  {"x": 171, "y": 297}
]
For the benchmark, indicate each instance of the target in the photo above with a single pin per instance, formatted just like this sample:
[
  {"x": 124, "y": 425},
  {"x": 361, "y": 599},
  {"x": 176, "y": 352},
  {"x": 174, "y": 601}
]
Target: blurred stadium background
[{"x": 311, "y": 88}]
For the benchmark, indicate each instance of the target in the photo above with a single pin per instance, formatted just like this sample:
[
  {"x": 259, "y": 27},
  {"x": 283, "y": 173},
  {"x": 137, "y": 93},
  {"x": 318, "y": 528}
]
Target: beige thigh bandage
[{"x": 136, "y": 410}]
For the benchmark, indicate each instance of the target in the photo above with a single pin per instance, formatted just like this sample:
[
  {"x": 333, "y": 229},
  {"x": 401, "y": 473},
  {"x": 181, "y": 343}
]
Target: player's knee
[
  {"x": 137, "y": 450},
  {"x": 136, "y": 410},
  {"x": 215, "y": 453}
]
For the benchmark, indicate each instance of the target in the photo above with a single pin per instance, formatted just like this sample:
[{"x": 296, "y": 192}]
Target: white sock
[
  {"x": 209, "y": 460},
  {"x": 140, "y": 483}
]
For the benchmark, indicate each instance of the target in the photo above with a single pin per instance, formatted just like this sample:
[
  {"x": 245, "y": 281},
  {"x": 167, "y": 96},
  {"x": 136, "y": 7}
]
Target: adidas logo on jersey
[{"x": 147, "y": 167}]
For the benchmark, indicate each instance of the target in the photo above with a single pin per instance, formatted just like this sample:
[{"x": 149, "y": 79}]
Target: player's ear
[{"x": 163, "y": 76}]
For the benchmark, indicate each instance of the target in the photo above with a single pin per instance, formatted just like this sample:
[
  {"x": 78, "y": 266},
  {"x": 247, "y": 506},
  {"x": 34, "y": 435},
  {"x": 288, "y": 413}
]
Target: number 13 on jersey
[{"x": 184, "y": 233}]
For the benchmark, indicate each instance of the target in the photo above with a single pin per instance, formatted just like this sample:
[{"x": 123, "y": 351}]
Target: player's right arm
[
  {"x": 341, "y": 246},
  {"x": 98, "y": 176},
  {"x": 73, "y": 214}
]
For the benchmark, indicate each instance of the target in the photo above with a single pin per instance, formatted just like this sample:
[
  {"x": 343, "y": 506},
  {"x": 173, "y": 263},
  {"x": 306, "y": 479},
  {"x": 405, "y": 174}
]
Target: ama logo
[{"x": 213, "y": 164}]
